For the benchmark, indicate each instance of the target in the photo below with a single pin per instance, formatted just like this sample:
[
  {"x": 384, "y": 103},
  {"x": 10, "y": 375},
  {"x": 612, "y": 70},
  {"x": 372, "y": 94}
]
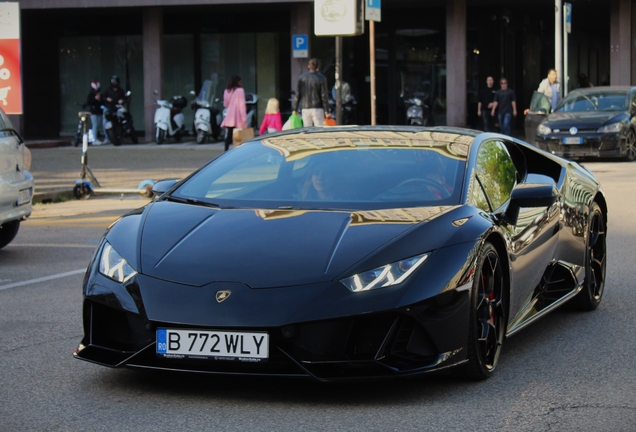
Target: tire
[
  {"x": 160, "y": 136},
  {"x": 630, "y": 146},
  {"x": 8, "y": 231},
  {"x": 487, "y": 317},
  {"x": 201, "y": 136},
  {"x": 81, "y": 191},
  {"x": 133, "y": 135},
  {"x": 178, "y": 135},
  {"x": 114, "y": 137},
  {"x": 591, "y": 295}
]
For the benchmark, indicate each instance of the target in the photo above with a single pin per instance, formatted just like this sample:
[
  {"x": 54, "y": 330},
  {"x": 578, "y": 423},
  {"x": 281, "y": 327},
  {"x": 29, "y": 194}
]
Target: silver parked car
[{"x": 16, "y": 182}]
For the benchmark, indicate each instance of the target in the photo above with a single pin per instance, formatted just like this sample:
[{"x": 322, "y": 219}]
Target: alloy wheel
[{"x": 490, "y": 311}]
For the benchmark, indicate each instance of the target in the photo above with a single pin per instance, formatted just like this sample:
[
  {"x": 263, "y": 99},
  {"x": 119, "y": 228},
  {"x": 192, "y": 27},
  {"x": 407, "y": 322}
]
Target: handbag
[
  {"x": 239, "y": 136},
  {"x": 330, "y": 122}
]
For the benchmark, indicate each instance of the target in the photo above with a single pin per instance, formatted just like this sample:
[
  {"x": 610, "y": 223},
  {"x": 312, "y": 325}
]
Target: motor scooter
[
  {"x": 169, "y": 120},
  {"x": 119, "y": 123},
  {"x": 418, "y": 112},
  {"x": 207, "y": 118}
]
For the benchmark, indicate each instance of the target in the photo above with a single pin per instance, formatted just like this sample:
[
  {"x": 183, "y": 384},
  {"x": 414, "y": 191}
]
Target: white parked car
[{"x": 16, "y": 182}]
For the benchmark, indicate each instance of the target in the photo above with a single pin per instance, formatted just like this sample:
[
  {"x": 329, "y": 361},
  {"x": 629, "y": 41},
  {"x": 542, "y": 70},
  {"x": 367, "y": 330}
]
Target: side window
[{"x": 496, "y": 172}]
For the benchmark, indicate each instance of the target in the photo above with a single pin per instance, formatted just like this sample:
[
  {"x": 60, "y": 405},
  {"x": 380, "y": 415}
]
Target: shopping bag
[
  {"x": 296, "y": 121},
  {"x": 239, "y": 136},
  {"x": 287, "y": 125},
  {"x": 330, "y": 122}
]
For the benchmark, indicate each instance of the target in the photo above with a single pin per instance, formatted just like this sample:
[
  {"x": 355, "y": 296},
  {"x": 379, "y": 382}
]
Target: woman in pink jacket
[{"x": 234, "y": 101}]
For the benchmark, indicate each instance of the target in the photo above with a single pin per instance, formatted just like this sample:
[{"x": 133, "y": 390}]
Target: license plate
[
  {"x": 213, "y": 345},
  {"x": 572, "y": 140},
  {"x": 24, "y": 196}
]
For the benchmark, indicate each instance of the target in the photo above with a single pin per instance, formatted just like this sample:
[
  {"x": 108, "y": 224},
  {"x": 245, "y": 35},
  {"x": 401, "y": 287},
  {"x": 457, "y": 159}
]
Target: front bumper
[
  {"x": 593, "y": 145},
  {"x": 120, "y": 331}
]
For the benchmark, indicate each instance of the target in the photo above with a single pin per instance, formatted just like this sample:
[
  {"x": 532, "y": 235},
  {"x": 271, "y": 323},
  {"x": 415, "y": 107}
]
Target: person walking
[
  {"x": 236, "y": 115},
  {"x": 272, "y": 121},
  {"x": 484, "y": 106},
  {"x": 312, "y": 90},
  {"x": 94, "y": 104},
  {"x": 551, "y": 88},
  {"x": 507, "y": 103}
]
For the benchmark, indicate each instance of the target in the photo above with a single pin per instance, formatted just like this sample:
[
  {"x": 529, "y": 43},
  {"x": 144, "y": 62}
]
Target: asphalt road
[{"x": 569, "y": 371}]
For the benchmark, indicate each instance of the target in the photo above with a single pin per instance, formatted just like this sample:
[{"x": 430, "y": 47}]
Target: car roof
[
  {"x": 453, "y": 142},
  {"x": 603, "y": 88}
]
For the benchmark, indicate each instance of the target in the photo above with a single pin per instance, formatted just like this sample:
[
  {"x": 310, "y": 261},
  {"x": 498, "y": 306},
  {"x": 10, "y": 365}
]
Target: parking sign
[
  {"x": 300, "y": 46},
  {"x": 372, "y": 10}
]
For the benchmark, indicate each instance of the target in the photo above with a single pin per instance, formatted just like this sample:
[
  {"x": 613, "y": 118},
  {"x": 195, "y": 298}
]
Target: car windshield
[
  {"x": 331, "y": 171},
  {"x": 603, "y": 100}
]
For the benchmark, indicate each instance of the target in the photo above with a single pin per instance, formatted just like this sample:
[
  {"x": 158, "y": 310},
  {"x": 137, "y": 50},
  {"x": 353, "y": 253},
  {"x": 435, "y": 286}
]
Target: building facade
[{"x": 439, "y": 50}]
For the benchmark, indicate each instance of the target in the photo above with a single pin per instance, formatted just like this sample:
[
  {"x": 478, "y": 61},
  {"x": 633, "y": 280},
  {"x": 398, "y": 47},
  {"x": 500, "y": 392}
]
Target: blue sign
[
  {"x": 300, "y": 46},
  {"x": 372, "y": 10},
  {"x": 567, "y": 9}
]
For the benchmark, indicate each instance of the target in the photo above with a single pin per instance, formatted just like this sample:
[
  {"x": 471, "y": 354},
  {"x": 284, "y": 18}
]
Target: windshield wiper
[{"x": 192, "y": 201}]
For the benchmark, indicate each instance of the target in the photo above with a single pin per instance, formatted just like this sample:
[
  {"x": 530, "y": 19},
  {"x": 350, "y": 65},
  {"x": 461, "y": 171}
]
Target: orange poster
[{"x": 10, "y": 79}]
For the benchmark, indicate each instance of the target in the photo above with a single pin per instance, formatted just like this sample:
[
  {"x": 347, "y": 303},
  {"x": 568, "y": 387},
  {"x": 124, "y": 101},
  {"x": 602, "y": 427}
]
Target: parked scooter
[
  {"x": 169, "y": 120},
  {"x": 207, "y": 118},
  {"x": 418, "y": 113},
  {"x": 119, "y": 123},
  {"x": 349, "y": 104}
]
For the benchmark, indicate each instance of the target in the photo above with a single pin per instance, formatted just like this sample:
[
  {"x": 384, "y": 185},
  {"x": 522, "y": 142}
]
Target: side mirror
[
  {"x": 531, "y": 194},
  {"x": 163, "y": 186}
]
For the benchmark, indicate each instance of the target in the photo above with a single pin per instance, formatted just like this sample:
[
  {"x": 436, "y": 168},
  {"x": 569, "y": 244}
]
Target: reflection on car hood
[
  {"x": 265, "y": 248},
  {"x": 582, "y": 120}
]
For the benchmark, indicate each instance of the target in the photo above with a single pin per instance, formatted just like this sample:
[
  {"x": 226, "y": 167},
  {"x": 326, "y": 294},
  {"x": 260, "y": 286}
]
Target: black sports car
[
  {"x": 347, "y": 253},
  {"x": 590, "y": 122}
]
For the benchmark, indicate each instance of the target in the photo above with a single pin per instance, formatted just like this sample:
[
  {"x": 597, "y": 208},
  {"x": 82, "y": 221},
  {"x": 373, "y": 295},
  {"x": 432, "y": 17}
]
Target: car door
[
  {"x": 540, "y": 107},
  {"x": 11, "y": 160},
  {"x": 533, "y": 239}
]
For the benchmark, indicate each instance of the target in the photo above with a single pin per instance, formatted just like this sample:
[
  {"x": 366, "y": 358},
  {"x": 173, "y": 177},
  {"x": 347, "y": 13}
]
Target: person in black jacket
[
  {"x": 484, "y": 107},
  {"x": 312, "y": 90},
  {"x": 111, "y": 97},
  {"x": 94, "y": 105}
]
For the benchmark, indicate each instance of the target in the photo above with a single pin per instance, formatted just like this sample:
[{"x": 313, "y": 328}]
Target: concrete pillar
[
  {"x": 153, "y": 66},
  {"x": 620, "y": 42},
  {"x": 301, "y": 16},
  {"x": 456, "y": 63}
]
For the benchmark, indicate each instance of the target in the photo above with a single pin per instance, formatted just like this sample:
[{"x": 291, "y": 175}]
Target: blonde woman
[{"x": 272, "y": 121}]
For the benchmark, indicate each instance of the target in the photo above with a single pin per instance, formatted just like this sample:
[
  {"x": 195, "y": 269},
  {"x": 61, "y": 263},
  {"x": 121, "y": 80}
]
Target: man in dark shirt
[
  {"x": 506, "y": 102},
  {"x": 484, "y": 106},
  {"x": 312, "y": 93}
]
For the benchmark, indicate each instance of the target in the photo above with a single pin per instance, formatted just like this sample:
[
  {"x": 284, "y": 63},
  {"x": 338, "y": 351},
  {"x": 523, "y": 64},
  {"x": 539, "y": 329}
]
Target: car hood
[
  {"x": 583, "y": 120},
  {"x": 196, "y": 245}
]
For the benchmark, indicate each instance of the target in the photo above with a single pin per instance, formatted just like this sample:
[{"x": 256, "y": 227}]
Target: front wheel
[
  {"x": 595, "y": 262},
  {"x": 630, "y": 146},
  {"x": 114, "y": 137},
  {"x": 487, "y": 317},
  {"x": 82, "y": 191},
  {"x": 8, "y": 231},
  {"x": 201, "y": 136},
  {"x": 133, "y": 135},
  {"x": 160, "y": 136}
]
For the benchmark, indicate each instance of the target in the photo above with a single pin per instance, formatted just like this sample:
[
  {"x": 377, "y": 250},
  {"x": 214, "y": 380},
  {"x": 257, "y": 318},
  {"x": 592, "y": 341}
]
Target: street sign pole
[
  {"x": 372, "y": 14},
  {"x": 558, "y": 40},
  {"x": 338, "y": 80},
  {"x": 567, "y": 27}
]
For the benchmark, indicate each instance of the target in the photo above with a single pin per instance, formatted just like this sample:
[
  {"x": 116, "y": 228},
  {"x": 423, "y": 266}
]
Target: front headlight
[
  {"x": 388, "y": 275},
  {"x": 611, "y": 128},
  {"x": 543, "y": 130},
  {"x": 113, "y": 266}
]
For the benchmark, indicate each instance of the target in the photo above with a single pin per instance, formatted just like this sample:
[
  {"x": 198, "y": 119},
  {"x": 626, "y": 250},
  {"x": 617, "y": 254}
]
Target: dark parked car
[
  {"x": 344, "y": 253},
  {"x": 590, "y": 122}
]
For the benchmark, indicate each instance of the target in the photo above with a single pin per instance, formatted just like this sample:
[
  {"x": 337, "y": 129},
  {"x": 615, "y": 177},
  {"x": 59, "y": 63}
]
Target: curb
[
  {"x": 52, "y": 196},
  {"x": 47, "y": 144}
]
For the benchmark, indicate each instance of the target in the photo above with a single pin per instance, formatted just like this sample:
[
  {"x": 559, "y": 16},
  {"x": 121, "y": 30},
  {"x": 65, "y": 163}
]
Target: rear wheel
[
  {"x": 82, "y": 191},
  {"x": 487, "y": 320},
  {"x": 595, "y": 262},
  {"x": 160, "y": 136},
  {"x": 8, "y": 231},
  {"x": 114, "y": 136},
  {"x": 201, "y": 136},
  {"x": 630, "y": 146}
]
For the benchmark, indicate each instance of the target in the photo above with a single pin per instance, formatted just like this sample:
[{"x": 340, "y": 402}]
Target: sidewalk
[{"x": 57, "y": 168}]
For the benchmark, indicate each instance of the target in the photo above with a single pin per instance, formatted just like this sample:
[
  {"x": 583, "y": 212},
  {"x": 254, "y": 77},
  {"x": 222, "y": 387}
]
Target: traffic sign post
[
  {"x": 300, "y": 46},
  {"x": 372, "y": 14},
  {"x": 567, "y": 28}
]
